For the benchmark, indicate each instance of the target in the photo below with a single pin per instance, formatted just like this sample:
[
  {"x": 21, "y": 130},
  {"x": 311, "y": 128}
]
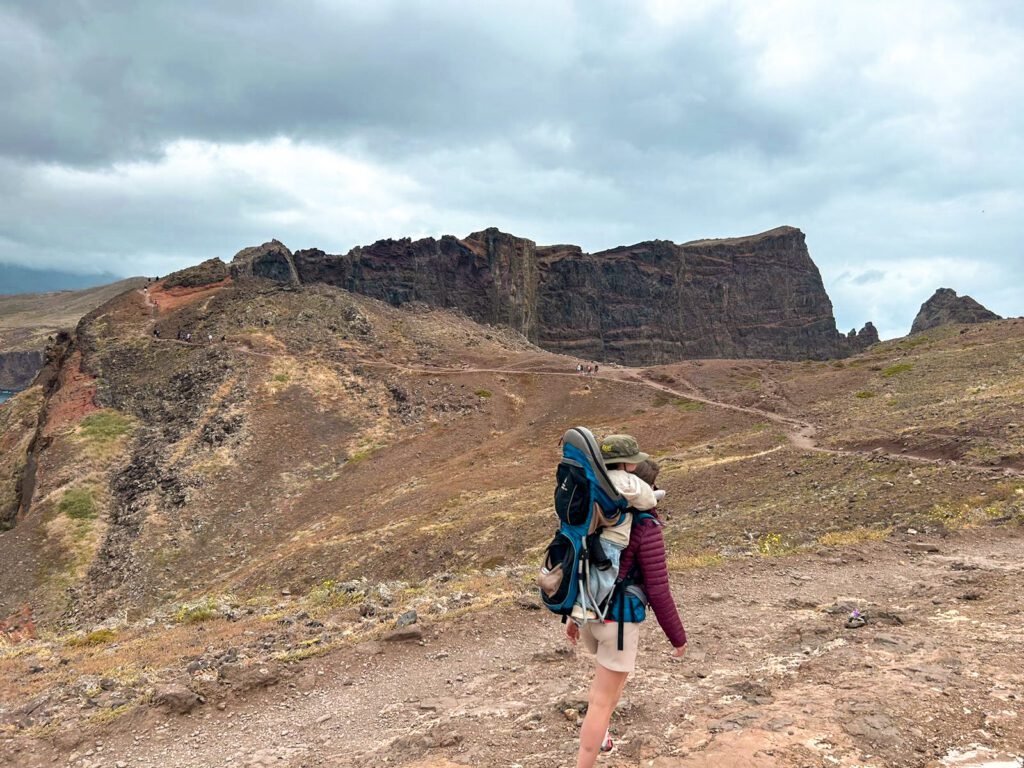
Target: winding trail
[{"x": 801, "y": 434}]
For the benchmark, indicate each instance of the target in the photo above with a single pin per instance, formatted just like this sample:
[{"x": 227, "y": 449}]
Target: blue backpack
[{"x": 585, "y": 500}]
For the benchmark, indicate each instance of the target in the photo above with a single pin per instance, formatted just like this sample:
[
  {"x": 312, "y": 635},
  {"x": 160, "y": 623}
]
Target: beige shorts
[{"x": 603, "y": 641}]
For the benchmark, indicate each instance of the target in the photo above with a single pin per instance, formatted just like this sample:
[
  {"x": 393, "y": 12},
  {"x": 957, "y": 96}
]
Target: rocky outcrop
[
  {"x": 17, "y": 369},
  {"x": 209, "y": 272},
  {"x": 653, "y": 302},
  {"x": 946, "y": 308},
  {"x": 490, "y": 275},
  {"x": 855, "y": 340},
  {"x": 272, "y": 261}
]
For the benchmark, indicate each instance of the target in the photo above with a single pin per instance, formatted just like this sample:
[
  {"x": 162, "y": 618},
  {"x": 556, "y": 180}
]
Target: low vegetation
[
  {"x": 96, "y": 637},
  {"x": 195, "y": 613},
  {"x": 897, "y": 369},
  {"x": 854, "y": 536},
  {"x": 78, "y": 504},
  {"x": 105, "y": 426}
]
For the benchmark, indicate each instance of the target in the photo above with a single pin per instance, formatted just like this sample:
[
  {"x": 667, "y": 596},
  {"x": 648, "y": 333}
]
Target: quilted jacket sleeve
[{"x": 650, "y": 556}]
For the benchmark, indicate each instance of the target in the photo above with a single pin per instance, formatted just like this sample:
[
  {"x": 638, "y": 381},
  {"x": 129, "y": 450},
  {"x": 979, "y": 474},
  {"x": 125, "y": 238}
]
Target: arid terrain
[
  {"x": 28, "y": 320},
  {"x": 215, "y": 546}
]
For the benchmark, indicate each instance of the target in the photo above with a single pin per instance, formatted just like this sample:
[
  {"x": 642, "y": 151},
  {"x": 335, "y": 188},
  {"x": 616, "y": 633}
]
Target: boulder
[{"x": 176, "y": 698}]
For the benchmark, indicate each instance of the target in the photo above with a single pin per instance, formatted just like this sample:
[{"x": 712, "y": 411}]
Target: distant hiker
[
  {"x": 595, "y": 368},
  {"x": 156, "y": 332},
  {"x": 579, "y": 367},
  {"x": 188, "y": 336},
  {"x": 642, "y": 570},
  {"x": 209, "y": 338},
  {"x": 223, "y": 338}
]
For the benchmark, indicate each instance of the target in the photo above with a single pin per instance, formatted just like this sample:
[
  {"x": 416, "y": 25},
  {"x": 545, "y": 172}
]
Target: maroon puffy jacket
[{"x": 647, "y": 548}]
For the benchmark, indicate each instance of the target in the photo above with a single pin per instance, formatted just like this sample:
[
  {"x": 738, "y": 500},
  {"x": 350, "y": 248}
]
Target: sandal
[{"x": 606, "y": 745}]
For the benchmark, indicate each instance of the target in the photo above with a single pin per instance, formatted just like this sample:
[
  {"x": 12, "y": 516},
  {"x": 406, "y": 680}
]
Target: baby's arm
[{"x": 637, "y": 492}]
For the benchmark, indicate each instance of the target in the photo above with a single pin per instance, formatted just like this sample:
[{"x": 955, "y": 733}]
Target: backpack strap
[
  {"x": 630, "y": 579},
  {"x": 622, "y": 619}
]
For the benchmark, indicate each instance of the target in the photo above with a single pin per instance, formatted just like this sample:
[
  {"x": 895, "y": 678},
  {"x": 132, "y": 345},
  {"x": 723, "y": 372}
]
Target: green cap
[{"x": 621, "y": 449}]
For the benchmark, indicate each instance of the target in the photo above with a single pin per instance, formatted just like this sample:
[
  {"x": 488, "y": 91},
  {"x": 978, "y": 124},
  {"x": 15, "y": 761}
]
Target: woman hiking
[{"x": 646, "y": 550}]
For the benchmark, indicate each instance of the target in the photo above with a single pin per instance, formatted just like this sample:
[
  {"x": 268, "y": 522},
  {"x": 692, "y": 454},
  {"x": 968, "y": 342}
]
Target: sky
[{"x": 140, "y": 137}]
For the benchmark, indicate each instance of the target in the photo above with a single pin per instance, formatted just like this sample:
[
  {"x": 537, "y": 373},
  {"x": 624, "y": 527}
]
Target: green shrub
[
  {"x": 899, "y": 368},
  {"x": 96, "y": 637},
  {"x": 864, "y": 394},
  {"x": 105, "y": 426},
  {"x": 483, "y": 393},
  {"x": 78, "y": 504},
  {"x": 194, "y": 613},
  {"x": 685, "y": 404},
  {"x": 361, "y": 455}
]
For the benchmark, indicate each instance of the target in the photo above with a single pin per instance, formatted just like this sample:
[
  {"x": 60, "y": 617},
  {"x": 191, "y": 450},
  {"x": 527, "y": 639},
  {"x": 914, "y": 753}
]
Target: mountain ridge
[{"x": 757, "y": 296}]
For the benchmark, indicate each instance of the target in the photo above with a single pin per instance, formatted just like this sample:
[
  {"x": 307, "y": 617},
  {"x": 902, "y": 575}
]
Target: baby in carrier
[{"x": 633, "y": 474}]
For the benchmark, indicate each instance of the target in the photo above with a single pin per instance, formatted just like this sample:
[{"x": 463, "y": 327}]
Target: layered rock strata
[{"x": 653, "y": 302}]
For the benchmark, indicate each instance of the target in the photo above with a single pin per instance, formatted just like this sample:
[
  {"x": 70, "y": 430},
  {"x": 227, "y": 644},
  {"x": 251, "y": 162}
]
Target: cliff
[
  {"x": 17, "y": 369},
  {"x": 946, "y": 308},
  {"x": 653, "y": 302},
  {"x": 489, "y": 275}
]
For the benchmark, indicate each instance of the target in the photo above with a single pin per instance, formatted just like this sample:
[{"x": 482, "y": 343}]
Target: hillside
[
  {"x": 27, "y": 320},
  {"x": 232, "y": 517}
]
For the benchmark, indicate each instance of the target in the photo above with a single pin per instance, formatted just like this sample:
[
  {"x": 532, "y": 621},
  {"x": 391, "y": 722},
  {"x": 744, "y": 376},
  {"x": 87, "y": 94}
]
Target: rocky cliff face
[
  {"x": 654, "y": 302},
  {"x": 272, "y": 261},
  {"x": 946, "y": 308},
  {"x": 490, "y": 275},
  {"x": 17, "y": 369}
]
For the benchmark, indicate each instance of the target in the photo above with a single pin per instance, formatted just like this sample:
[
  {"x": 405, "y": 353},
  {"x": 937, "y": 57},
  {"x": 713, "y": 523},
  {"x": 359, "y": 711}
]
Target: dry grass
[
  {"x": 854, "y": 536},
  {"x": 689, "y": 562}
]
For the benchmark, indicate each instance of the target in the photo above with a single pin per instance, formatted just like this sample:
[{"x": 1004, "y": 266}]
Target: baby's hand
[{"x": 659, "y": 494}]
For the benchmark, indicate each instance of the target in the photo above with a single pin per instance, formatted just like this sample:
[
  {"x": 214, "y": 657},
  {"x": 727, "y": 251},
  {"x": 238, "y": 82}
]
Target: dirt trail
[
  {"x": 772, "y": 678},
  {"x": 801, "y": 434}
]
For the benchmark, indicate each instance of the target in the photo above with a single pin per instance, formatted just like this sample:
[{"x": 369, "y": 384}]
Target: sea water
[{"x": 5, "y": 395}]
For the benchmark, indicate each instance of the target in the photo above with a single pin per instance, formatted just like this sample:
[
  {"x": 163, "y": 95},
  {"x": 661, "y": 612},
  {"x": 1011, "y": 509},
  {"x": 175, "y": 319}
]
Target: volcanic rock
[
  {"x": 176, "y": 698},
  {"x": 272, "y": 261},
  {"x": 653, "y": 302},
  {"x": 946, "y": 308},
  {"x": 17, "y": 369},
  {"x": 206, "y": 273}
]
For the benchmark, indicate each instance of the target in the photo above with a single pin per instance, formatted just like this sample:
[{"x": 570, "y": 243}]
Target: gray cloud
[{"x": 139, "y": 136}]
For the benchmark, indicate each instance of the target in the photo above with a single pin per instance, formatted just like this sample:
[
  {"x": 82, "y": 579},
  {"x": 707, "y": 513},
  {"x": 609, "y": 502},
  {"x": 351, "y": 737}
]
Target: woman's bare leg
[{"x": 604, "y": 695}]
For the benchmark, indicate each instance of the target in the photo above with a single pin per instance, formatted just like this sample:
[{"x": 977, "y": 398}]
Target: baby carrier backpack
[{"x": 576, "y": 568}]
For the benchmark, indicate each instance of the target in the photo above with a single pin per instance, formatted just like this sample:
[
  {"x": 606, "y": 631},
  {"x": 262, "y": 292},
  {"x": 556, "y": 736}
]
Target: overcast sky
[{"x": 139, "y": 137}]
